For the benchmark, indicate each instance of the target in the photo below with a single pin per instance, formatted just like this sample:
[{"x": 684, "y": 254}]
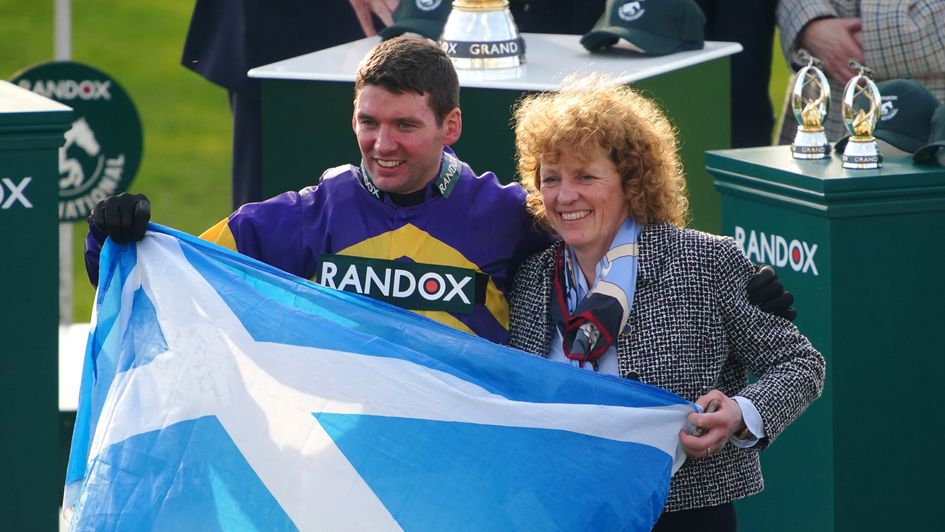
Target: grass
[
  {"x": 780, "y": 77},
  {"x": 185, "y": 168}
]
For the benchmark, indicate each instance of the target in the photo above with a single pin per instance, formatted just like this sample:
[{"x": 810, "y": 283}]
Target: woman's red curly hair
[{"x": 596, "y": 112}]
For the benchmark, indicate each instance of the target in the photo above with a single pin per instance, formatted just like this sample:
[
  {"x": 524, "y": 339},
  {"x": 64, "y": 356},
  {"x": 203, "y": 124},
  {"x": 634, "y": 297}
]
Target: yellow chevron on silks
[
  {"x": 421, "y": 246},
  {"x": 220, "y": 235},
  {"x": 407, "y": 241}
]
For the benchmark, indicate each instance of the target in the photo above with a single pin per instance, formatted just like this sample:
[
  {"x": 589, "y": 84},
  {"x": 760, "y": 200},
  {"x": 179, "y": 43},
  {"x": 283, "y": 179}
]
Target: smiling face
[
  {"x": 400, "y": 139},
  {"x": 584, "y": 200}
]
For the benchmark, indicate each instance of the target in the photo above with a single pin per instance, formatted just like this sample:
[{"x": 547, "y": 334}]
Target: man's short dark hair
[{"x": 406, "y": 64}]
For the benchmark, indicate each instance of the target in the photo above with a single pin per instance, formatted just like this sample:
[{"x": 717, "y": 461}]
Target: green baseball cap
[
  {"x": 655, "y": 27},
  {"x": 423, "y": 17},
  {"x": 904, "y": 124},
  {"x": 935, "y": 149}
]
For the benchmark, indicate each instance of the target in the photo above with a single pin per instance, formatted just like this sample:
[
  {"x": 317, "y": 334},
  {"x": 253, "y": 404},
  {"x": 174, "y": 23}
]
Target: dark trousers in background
[
  {"x": 247, "y": 149},
  {"x": 226, "y": 38},
  {"x": 719, "y": 518},
  {"x": 750, "y": 23}
]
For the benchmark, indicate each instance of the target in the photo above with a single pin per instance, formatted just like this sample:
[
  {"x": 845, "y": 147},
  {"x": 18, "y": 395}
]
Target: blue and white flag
[{"x": 220, "y": 393}]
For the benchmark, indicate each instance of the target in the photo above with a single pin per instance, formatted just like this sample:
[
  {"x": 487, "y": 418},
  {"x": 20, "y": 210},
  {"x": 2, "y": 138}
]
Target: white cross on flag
[{"x": 223, "y": 394}]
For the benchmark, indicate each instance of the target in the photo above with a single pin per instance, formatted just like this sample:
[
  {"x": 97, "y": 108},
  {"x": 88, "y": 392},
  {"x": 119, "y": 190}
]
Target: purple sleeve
[
  {"x": 93, "y": 248},
  {"x": 278, "y": 231}
]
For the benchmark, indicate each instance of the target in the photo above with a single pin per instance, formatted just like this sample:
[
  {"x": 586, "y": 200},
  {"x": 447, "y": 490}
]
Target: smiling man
[{"x": 412, "y": 225}]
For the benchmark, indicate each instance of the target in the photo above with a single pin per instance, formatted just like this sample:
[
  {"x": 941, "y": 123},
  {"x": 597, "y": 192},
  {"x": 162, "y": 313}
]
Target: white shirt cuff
[{"x": 752, "y": 420}]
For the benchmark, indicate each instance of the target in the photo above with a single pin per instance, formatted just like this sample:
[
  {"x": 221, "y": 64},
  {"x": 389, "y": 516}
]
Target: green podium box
[
  {"x": 31, "y": 132},
  {"x": 307, "y": 107},
  {"x": 862, "y": 250}
]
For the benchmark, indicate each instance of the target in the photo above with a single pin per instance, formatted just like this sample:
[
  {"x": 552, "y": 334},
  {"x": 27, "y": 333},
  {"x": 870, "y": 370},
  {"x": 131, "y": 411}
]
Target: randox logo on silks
[
  {"x": 409, "y": 285},
  {"x": 103, "y": 147}
]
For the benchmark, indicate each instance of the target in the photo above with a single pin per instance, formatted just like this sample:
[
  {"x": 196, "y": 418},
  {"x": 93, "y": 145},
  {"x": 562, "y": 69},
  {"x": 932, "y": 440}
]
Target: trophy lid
[
  {"x": 861, "y": 103},
  {"x": 480, "y": 5},
  {"x": 481, "y": 35},
  {"x": 810, "y": 96},
  {"x": 657, "y": 27}
]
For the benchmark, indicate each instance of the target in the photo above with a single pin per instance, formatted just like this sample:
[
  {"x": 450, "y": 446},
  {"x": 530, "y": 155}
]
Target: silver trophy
[
  {"x": 861, "y": 109},
  {"x": 810, "y": 101},
  {"x": 481, "y": 35}
]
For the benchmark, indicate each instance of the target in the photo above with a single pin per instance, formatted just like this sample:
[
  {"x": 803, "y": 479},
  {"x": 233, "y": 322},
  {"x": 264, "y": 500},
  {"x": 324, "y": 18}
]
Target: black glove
[
  {"x": 766, "y": 291},
  {"x": 123, "y": 217}
]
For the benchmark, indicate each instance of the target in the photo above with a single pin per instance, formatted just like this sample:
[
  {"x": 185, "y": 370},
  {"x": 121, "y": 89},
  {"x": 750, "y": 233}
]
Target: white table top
[
  {"x": 549, "y": 59},
  {"x": 15, "y": 99},
  {"x": 72, "y": 340}
]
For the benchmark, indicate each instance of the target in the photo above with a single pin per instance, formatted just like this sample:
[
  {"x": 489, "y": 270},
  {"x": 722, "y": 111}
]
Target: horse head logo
[
  {"x": 428, "y": 5},
  {"x": 81, "y": 135},
  {"x": 889, "y": 109},
  {"x": 631, "y": 11}
]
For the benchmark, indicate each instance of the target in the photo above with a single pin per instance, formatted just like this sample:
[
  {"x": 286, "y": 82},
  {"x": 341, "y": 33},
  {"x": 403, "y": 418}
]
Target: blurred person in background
[
  {"x": 893, "y": 39},
  {"x": 228, "y": 38}
]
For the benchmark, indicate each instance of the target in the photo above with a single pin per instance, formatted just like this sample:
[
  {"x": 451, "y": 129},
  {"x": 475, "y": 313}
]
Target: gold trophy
[
  {"x": 810, "y": 101},
  {"x": 481, "y": 35},
  {"x": 861, "y": 109}
]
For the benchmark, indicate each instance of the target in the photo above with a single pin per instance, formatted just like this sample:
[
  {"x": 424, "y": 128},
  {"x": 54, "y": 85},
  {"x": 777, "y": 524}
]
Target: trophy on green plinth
[
  {"x": 810, "y": 101},
  {"x": 861, "y": 109},
  {"x": 481, "y": 35}
]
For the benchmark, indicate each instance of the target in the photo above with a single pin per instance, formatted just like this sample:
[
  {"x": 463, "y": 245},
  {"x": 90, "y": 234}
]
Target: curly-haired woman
[{"x": 630, "y": 292}]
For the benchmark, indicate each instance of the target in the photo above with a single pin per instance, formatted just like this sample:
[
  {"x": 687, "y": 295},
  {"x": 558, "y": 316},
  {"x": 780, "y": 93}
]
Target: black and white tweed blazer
[{"x": 692, "y": 329}]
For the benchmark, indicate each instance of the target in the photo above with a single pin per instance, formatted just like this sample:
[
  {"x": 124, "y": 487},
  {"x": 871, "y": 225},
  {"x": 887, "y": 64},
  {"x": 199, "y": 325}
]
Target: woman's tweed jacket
[{"x": 691, "y": 330}]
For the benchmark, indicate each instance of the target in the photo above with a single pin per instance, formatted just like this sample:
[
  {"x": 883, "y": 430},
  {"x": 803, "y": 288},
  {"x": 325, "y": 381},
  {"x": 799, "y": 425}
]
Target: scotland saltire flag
[{"x": 223, "y": 394}]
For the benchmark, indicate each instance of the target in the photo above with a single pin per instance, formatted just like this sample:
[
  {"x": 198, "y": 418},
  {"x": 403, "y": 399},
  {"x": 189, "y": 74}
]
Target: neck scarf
[
  {"x": 590, "y": 324},
  {"x": 450, "y": 169}
]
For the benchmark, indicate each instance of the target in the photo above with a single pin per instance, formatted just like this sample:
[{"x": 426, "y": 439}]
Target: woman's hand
[{"x": 718, "y": 426}]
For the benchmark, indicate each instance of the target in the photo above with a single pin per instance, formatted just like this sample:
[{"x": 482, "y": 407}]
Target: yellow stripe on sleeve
[{"x": 220, "y": 235}]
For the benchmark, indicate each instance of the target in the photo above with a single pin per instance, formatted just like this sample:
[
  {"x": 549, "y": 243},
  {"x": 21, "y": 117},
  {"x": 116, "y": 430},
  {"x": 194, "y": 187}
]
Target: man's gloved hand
[
  {"x": 123, "y": 217},
  {"x": 766, "y": 291}
]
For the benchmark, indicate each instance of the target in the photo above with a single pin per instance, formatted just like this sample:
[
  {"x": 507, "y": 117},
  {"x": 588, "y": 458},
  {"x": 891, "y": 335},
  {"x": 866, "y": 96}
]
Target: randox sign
[
  {"x": 777, "y": 250},
  {"x": 103, "y": 147},
  {"x": 409, "y": 285}
]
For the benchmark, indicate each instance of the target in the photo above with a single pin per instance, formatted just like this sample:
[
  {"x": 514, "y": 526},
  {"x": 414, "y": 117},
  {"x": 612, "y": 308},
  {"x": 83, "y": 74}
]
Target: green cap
[
  {"x": 655, "y": 27},
  {"x": 423, "y": 17},
  {"x": 904, "y": 116},
  {"x": 935, "y": 149}
]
